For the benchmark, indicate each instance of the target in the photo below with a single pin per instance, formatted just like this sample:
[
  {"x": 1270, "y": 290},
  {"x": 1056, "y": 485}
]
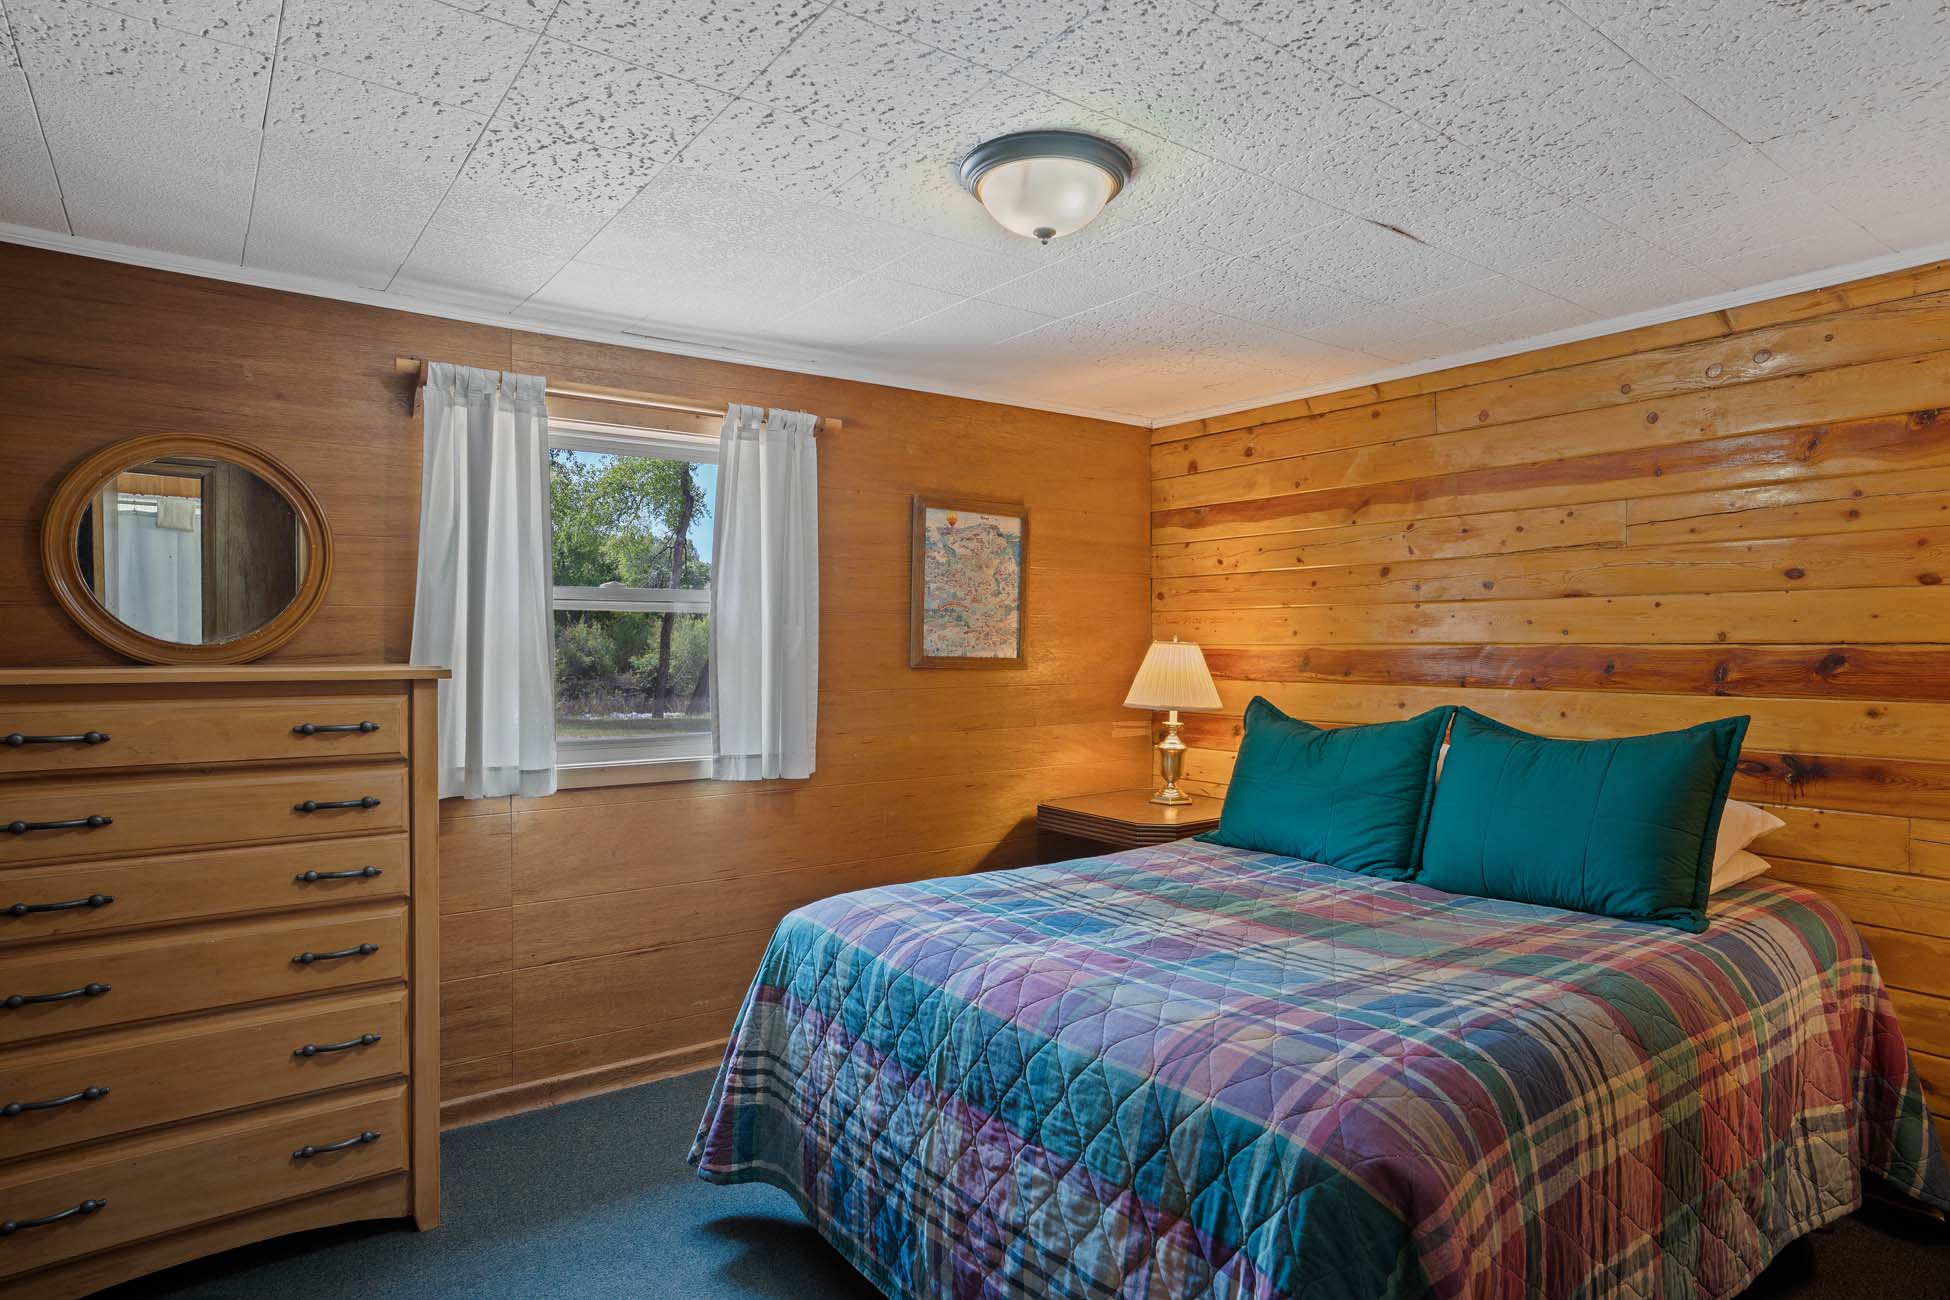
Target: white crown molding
[
  {"x": 1781, "y": 288},
  {"x": 804, "y": 364},
  {"x": 810, "y": 365}
]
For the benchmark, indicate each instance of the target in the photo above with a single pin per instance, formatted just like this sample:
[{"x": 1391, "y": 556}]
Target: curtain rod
[{"x": 417, "y": 367}]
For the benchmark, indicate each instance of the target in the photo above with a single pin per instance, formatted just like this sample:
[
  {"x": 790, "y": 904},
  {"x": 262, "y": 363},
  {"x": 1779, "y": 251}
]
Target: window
[{"x": 632, "y": 512}]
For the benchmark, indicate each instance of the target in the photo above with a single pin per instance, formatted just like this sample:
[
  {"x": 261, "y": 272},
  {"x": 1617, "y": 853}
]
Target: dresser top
[{"x": 170, "y": 674}]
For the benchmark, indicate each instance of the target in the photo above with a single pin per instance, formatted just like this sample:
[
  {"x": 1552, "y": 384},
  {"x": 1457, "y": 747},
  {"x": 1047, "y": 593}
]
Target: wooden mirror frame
[{"x": 78, "y": 489}]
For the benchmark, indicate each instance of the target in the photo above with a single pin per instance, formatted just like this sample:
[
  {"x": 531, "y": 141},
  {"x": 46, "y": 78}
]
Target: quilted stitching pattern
[{"x": 1191, "y": 1072}]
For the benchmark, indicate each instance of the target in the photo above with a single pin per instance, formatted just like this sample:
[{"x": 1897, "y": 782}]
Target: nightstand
[{"x": 1127, "y": 819}]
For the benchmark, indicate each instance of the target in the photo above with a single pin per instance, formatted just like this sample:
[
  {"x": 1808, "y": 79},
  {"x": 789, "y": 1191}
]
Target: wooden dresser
[{"x": 219, "y": 996}]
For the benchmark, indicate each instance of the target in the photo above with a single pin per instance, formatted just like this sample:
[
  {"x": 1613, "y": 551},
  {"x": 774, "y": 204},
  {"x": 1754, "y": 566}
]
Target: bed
[{"x": 1190, "y": 1072}]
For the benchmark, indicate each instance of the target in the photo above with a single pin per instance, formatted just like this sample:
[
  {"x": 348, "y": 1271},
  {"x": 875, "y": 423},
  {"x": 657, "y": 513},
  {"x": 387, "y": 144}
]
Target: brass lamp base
[{"x": 1171, "y": 763}]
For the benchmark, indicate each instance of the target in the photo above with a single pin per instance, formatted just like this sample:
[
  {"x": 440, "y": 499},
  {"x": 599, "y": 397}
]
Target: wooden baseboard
[{"x": 537, "y": 1094}]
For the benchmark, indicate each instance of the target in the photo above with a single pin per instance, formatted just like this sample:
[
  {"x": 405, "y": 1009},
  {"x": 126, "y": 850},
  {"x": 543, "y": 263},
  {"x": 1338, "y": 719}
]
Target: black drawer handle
[
  {"x": 317, "y": 728},
  {"x": 93, "y": 822},
  {"x": 312, "y": 877},
  {"x": 13, "y": 1000},
  {"x": 315, "y": 1049},
  {"x": 362, "y": 950},
  {"x": 14, "y": 740},
  {"x": 90, "y": 1093},
  {"x": 93, "y": 900},
  {"x": 313, "y": 805},
  {"x": 10, "y": 1226},
  {"x": 307, "y": 1152}
]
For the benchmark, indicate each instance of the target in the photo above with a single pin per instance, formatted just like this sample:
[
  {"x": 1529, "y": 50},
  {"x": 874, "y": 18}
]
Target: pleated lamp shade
[{"x": 1173, "y": 676}]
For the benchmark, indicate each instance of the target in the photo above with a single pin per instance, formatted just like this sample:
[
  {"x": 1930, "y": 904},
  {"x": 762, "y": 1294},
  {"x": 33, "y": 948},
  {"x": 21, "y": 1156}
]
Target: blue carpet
[{"x": 593, "y": 1199}]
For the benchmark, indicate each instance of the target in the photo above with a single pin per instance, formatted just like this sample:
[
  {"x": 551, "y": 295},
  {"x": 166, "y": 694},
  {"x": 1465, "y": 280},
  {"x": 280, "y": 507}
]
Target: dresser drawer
[
  {"x": 140, "y": 1078},
  {"x": 184, "y": 1176},
  {"x": 116, "y": 981},
  {"x": 51, "y": 736},
  {"x": 117, "y": 894},
  {"x": 126, "y": 815}
]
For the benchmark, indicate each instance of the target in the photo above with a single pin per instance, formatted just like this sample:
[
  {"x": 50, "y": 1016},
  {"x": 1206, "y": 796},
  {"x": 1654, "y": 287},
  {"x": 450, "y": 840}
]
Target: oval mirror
[{"x": 186, "y": 549}]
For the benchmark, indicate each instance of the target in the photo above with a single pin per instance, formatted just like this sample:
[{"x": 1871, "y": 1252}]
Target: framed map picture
[{"x": 967, "y": 584}]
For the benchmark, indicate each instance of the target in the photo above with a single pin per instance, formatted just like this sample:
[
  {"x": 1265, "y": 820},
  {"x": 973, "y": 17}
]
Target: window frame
[{"x": 684, "y": 755}]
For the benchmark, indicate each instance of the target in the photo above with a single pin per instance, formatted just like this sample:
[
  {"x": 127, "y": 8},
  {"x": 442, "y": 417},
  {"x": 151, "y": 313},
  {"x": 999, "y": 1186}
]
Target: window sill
[{"x": 656, "y": 771}]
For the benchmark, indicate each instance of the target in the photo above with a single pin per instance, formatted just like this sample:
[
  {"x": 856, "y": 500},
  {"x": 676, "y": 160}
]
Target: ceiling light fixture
[{"x": 1045, "y": 184}]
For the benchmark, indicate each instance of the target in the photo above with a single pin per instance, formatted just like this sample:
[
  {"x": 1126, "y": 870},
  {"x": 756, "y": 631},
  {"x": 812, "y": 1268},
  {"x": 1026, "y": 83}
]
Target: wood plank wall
[
  {"x": 1743, "y": 512},
  {"x": 603, "y": 935}
]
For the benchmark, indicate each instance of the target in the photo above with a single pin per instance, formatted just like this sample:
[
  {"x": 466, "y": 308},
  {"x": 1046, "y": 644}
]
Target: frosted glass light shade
[
  {"x": 1173, "y": 676},
  {"x": 1045, "y": 198},
  {"x": 1045, "y": 184}
]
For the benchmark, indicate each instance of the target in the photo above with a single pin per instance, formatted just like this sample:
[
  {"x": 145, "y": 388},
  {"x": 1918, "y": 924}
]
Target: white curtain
[
  {"x": 765, "y": 596},
  {"x": 483, "y": 606},
  {"x": 150, "y": 572}
]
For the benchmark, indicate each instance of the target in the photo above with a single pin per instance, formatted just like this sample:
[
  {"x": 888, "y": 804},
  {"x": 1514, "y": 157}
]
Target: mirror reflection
[{"x": 191, "y": 549}]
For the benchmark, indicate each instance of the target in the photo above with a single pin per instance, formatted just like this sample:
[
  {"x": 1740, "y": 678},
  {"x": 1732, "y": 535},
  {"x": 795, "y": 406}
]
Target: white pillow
[
  {"x": 1740, "y": 825},
  {"x": 1742, "y": 865}
]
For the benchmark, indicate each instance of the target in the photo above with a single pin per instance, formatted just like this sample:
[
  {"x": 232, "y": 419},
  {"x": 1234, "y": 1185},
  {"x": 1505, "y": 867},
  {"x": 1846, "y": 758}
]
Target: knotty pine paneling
[
  {"x": 1742, "y": 512},
  {"x": 595, "y": 931}
]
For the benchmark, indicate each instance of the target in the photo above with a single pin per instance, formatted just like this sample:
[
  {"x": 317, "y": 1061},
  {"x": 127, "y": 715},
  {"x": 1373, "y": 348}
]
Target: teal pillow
[
  {"x": 1622, "y": 828},
  {"x": 1352, "y": 797}
]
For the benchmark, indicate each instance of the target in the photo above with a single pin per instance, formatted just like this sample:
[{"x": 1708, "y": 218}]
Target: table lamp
[{"x": 1173, "y": 676}]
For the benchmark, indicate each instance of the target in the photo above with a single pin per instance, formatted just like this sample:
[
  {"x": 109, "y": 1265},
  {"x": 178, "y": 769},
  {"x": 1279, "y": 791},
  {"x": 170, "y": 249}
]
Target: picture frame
[{"x": 957, "y": 544}]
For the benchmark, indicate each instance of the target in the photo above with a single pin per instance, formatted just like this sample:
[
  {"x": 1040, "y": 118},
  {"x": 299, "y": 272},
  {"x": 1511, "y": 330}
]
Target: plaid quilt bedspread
[{"x": 1190, "y": 1071}]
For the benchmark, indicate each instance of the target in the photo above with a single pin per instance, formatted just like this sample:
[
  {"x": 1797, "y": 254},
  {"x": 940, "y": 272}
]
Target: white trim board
[{"x": 810, "y": 365}]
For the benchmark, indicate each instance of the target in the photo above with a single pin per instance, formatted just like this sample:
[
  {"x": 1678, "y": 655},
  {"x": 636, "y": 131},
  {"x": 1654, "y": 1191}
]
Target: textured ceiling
[{"x": 778, "y": 175}]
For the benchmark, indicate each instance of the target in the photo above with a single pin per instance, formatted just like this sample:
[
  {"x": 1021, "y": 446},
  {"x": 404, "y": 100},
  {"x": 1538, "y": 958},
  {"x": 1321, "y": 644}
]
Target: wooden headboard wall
[{"x": 1741, "y": 512}]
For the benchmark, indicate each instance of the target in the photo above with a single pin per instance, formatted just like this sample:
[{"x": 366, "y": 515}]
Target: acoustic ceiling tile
[
  {"x": 349, "y": 123},
  {"x": 1059, "y": 290},
  {"x": 1447, "y": 341},
  {"x": 1764, "y": 67},
  {"x": 1361, "y": 258},
  {"x": 1375, "y": 330},
  {"x": 1139, "y": 258},
  {"x": 781, "y": 152},
  {"x": 420, "y": 46},
  {"x": 1628, "y": 276},
  {"x": 655, "y": 250},
  {"x": 153, "y": 132},
  {"x": 573, "y": 94},
  {"x": 1777, "y": 215},
  {"x": 1239, "y": 212},
  {"x": 849, "y": 73},
  {"x": 289, "y": 234},
  {"x": 195, "y": 210},
  {"x": 585, "y": 179},
  {"x": 1922, "y": 228},
  {"x": 531, "y": 14},
  {"x": 1546, "y": 317},
  {"x": 1514, "y": 228},
  {"x": 349, "y": 174},
  {"x": 722, "y": 43},
  {"x": 471, "y": 271},
  {"x": 592, "y": 296},
  {"x": 993, "y": 33},
  {"x": 1812, "y": 252},
  {"x": 118, "y": 84},
  {"x": 29, "y": 193},
  {"x": 482, "y": 208},
  {"x": 864, "y": 307},
  {"x": 966, "y": 325},
  {"x": 250, "y": 23},
  {"x": 1178, "y": 72},
  {"x": 1481, "y": 300},
  {"x": 958, "y": 268},
  {"x": 1252, "y": 291}
]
